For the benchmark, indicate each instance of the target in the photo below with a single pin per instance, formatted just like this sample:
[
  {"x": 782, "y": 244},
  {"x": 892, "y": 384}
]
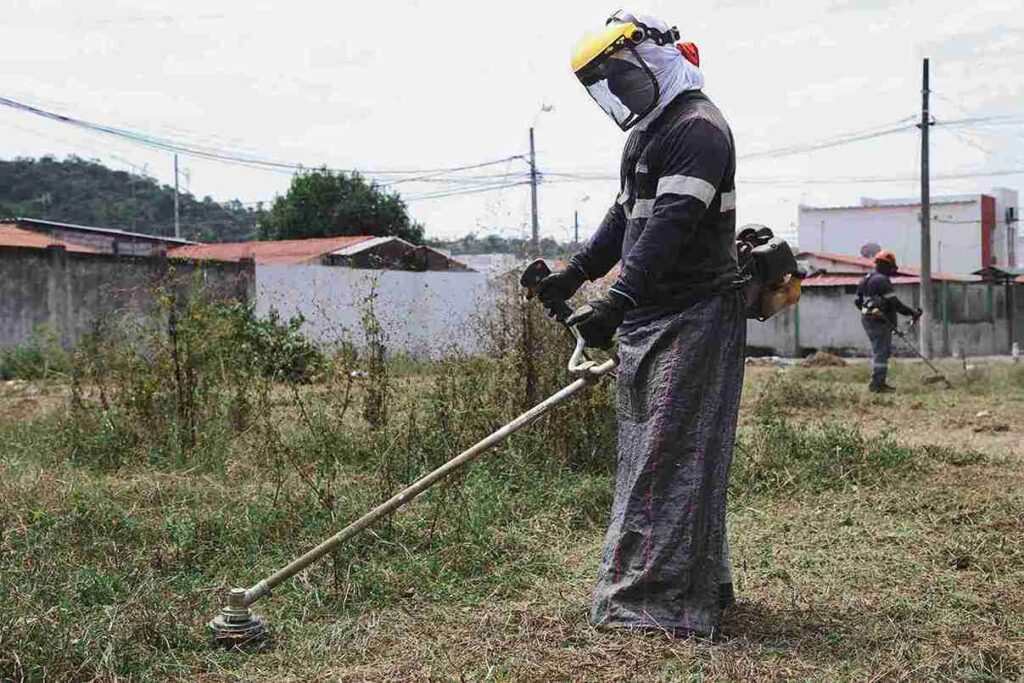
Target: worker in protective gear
[
  {"x": 681, "y": 323},
  {"x": 879, "y": 306}
]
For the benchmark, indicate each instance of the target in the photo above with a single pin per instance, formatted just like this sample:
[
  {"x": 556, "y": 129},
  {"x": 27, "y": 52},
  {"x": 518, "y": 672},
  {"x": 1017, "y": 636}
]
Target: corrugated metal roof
[
  {"x": 838, "y": 258},
  {"x": 853, "y": 280},
  {"x": 907, "y": 279},
  {"x": 271, "y": 252},
  {"x": 368, "y": 243},
  {"x": 12, "y": 236},
  {"x": 38, "y": 222},
  {"x": 869, "y": 264}
]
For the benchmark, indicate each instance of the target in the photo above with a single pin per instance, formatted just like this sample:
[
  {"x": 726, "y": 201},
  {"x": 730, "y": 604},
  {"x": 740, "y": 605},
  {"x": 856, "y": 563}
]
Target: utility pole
[
  {"x": 177, "y": 221},
  {"x": 535, "y": 238},
  {"x": 926, "y": 224},
  {"x": 576, "y": 227}
]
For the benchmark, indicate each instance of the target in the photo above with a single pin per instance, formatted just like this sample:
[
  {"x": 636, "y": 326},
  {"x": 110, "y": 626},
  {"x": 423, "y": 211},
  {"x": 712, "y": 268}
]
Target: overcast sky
[{"x": 415, "y": 85}]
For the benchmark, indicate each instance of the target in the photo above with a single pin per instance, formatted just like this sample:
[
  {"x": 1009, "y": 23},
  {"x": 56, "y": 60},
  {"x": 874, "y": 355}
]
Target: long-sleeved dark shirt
[
  {"x": 673, "y": 225},
  {"x": 876, "y": 291}
]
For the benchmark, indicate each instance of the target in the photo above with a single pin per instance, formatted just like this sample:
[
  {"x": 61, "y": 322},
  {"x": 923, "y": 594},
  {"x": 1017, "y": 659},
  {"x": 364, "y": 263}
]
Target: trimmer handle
[{"x": 531, "y": 277}]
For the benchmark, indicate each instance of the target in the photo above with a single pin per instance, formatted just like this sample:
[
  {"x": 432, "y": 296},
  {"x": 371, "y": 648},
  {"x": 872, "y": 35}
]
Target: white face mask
[
  {"x": 673, "y": 72},
  {"x": 623, "y": 86}
]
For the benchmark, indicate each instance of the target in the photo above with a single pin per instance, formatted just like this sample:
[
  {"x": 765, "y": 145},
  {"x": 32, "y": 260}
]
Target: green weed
[
  {"x": 797, "y": 388},
  {"x": 777, "y": 456}
]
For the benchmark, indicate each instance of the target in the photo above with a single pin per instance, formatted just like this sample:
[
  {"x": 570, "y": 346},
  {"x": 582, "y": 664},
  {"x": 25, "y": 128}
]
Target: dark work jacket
[
  {"x": 876, "y": 291},
  {"x": 673, "y": 225}
]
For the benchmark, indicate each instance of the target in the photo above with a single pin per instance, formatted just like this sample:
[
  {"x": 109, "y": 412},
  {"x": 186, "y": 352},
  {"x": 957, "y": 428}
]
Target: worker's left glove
[
  {"x": 916, "y": 317},
  {"x": 558, "y": 287},
  {"x": 597, "y": 320}
]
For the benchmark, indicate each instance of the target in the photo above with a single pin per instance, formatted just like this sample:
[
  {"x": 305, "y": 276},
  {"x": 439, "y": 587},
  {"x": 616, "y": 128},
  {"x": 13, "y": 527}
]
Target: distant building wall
[
  {"x": 1006, "y": 236},
  {"x": 956, "y": 233},
  {"x": 970, "y": 317},
  {"x": 61, "y": 293},
  {"x": 423, "y": 314}
]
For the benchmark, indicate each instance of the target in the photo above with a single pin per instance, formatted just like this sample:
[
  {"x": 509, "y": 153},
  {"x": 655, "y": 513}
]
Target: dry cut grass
[{"x": 889, "y": 550}]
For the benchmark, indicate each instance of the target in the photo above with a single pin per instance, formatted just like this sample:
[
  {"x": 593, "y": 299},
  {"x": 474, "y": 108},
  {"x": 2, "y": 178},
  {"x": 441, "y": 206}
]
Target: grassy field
[{"x": 874, "y": 538}]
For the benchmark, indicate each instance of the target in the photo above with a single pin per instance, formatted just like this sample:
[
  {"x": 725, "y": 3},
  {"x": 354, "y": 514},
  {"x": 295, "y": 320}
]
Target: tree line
[{"x": 318, "y": 203}]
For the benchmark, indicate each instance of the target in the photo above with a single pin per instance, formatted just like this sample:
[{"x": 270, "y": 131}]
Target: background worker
[
  {"x": 682, "y": 329},
  {"x": 879, "y": 306}
]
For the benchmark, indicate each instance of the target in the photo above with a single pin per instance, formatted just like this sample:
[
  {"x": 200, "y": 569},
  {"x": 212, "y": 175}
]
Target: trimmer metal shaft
[{"x": 236, "y": 625}]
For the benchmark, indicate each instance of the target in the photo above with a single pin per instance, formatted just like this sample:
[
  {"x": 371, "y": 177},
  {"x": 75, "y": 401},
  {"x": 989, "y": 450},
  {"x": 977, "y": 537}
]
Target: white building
[
  {"x": 427, "y": 303},
  {"x": 969, "y": 232}
]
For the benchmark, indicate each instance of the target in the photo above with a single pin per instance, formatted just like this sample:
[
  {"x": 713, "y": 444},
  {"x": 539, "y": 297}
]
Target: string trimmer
[
  {"x": 237, "y": 626},
  {"x": 937, "y": 376}
]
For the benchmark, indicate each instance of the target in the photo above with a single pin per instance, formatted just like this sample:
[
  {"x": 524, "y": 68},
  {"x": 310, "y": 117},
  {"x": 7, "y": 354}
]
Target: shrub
[
  {"x": 278, "y": 349},
  {"x": 41, "y": 358},
  {"x": 181, "y": 385}
]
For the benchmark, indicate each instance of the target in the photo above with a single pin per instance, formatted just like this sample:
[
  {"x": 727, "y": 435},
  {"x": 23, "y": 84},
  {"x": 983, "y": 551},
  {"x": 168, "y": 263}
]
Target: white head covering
[{"x": 675, "y": 73}]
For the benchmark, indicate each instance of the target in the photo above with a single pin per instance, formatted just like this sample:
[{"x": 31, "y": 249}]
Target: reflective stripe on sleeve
[
  {"x": 728, "y": 201},
  {"x": 622, "y": 293},
  {"x": 890, "y": 295},
  {"x": 687, "y": 185},
  {"x": 624, "y": 195},
  {"x": 642, "y": 208}
]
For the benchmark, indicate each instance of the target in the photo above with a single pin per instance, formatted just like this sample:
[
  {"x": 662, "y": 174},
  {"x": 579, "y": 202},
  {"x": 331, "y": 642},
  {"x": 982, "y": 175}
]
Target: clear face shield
[{"x": 622, "y": 85}]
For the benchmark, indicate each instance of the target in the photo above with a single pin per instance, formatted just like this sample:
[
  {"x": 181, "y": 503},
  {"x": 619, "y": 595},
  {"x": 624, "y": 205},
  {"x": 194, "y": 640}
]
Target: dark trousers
[{"x": 880, "y": 333}]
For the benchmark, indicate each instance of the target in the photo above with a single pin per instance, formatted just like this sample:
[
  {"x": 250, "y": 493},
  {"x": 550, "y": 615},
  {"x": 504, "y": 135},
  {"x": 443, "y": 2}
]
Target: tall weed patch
[{"x": 174, "y": 390}]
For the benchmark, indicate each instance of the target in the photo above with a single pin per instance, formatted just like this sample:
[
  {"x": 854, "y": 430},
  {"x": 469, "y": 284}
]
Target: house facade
[{"x": 968, "y": 232}]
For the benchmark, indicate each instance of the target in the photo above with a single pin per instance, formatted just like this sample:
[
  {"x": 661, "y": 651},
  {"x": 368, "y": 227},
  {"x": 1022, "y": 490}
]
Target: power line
[
  {"x": 879, "y": 179},
  {"x": 789, "y": 150},
  {"x": 835, "y": 141},
  {"x": 220, "y": 154},
  {"x": 459, "y": 193},
  {"x": 1002, "y": 119}
]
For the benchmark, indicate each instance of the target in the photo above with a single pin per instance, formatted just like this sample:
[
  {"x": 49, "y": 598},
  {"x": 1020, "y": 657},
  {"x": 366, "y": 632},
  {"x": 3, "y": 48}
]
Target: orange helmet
[{"x": 886, "y": 257}]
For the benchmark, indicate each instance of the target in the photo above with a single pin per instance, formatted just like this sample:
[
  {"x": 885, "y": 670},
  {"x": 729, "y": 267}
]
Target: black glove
[
  {"x": 598, "y": 319},
  {"x": 559, "y": 287},
  {"x": 917, "y": 316}
]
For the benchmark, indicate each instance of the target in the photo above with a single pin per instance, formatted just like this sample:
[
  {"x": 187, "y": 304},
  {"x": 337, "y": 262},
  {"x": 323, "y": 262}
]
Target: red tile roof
[
  {"x": 839, "y": 258},
  {"x": 905, "y": 271},
  {"x": 853, "y": 280},
  {"x": 275, "y": 252},
  {"x": 11, "y": 236}
]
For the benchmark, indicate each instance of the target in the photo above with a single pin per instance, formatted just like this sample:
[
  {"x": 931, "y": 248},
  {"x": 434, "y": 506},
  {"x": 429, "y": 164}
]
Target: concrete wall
[
  {"x": 424, "y": 314},
  {"x": 976, "y": 322},
  {"x": 66, "y": 293}
]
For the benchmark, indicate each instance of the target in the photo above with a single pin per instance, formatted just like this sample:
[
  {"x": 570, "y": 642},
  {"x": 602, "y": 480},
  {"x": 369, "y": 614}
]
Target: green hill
[{"x": 79, "y": 191}]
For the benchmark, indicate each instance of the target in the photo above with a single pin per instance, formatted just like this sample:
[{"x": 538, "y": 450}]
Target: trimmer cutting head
[{"x": 236, "y": 626}]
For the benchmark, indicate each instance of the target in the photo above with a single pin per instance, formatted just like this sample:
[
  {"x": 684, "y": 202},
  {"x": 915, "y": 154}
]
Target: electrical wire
[
  {"x": 1002, "y": 119},
  {"x": 825, "y": 144},
  {"x": 222, "y": 155},
  {"x": 459, "y": 193}
]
